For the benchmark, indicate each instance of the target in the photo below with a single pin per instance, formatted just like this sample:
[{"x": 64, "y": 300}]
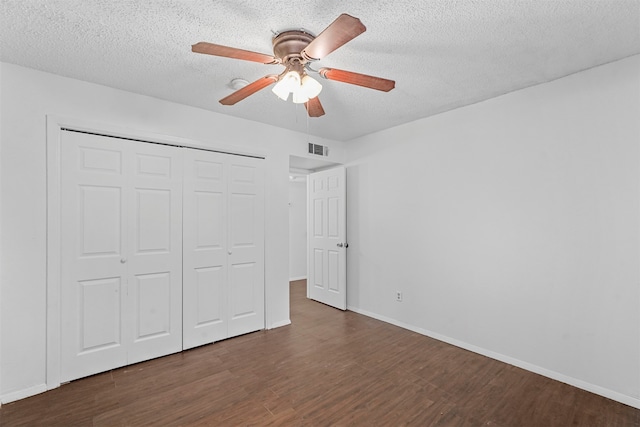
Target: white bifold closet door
[
  {"x": 121, "y": 252},
  {"x": 223, "y": 246}
]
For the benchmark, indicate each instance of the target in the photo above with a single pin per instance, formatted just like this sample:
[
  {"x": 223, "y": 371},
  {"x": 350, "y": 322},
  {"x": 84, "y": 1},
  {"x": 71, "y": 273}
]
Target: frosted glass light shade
[
  {"x": 289, "y": 83},
  {"x": 299, "y": 96},
  {"x": 311, "y": 87},
  {"x": 302, "y": 89},
  {"x": 281, "y": 91}
]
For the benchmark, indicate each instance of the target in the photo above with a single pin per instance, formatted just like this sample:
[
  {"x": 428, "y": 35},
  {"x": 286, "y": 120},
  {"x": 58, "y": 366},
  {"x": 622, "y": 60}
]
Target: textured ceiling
[{"x": 443, "y": 54}]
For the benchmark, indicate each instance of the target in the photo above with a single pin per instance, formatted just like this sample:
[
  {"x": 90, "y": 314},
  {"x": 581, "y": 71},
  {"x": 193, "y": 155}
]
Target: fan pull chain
[{"x": 308, "y": 136}]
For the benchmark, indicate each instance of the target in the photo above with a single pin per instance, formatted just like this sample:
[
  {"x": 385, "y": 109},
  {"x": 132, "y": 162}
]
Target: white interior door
[
  {"x": 121, "y": 252},
  {"x": 205, "y": 248},
  {"x": 327, "y": 255},
  {"x": 245, "y": 245}
]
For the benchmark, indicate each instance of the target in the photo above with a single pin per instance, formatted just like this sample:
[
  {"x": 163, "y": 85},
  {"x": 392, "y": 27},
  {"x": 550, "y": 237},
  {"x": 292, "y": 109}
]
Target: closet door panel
[
  {"x": 205, "y": 248},
  {"x": 155, "y": 261},
  {"x": 93, "y": 243},
  {"x": 246, "y": 245}
]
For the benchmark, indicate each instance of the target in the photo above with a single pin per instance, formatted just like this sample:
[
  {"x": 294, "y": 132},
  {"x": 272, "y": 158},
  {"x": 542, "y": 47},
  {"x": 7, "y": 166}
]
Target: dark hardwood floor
[{"x": 327, "y": 368}]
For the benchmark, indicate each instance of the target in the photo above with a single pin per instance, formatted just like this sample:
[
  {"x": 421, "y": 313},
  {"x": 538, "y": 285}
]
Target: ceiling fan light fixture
[
  {"x": 290, "y": 82},
  {"x": 281, "y": 91},
  {"x": 299, "y": 96},
  {"x": 310, "y": 86}
]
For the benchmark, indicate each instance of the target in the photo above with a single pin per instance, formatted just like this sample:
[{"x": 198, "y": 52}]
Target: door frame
[{"x": 55, "y": 125}]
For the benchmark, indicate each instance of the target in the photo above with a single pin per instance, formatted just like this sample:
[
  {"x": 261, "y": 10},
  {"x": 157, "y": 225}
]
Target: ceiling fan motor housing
[{"x": 289, "y": 45}]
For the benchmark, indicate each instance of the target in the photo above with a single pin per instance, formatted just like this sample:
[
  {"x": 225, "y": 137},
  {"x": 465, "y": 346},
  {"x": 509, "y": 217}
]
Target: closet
[{"x": 162, "y": 249}]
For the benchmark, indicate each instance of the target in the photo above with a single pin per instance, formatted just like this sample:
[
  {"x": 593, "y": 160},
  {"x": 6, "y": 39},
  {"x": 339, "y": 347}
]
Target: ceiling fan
[{"x": 296, "y": 49}]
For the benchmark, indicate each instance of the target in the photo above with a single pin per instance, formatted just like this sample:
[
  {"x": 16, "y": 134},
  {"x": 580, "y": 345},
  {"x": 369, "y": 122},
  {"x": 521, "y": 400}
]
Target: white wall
[
  {"x": 1, "y": 246},
  {"x": 512, "y": 228},
  {"x": 27, "y": 97},
  {"x": 298, "y": 229}
]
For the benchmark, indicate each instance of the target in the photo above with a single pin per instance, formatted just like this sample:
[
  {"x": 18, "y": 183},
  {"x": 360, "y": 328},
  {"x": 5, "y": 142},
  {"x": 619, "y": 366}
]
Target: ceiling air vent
[{"x": 319, "y": 150}]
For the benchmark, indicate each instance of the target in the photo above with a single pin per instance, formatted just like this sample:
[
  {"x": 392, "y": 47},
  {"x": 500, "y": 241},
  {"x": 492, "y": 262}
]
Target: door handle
[
  {"x": 123, "y": 260},
  {"x": 339, "y": 245}
]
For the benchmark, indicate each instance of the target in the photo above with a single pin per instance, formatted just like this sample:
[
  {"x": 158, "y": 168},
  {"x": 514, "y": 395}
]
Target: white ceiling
[{"x": 442, "y": 54}]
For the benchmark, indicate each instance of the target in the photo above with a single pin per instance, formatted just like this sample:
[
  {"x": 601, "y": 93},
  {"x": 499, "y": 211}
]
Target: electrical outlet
[{"x": 398, "y": 296}]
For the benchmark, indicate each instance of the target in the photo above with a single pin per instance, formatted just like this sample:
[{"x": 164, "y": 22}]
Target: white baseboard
[
  {"x": 21, "y": 394},
  {"x": 280, "y": 324},
  {"x": 293, "y": 279},
  {"x": 605, "y": 392}
]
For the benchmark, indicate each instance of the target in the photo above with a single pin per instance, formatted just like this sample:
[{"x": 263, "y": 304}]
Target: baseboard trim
[
  {"x": 21, "y": 394},
  {"x": 280, "y": 324},
  {"x": 293, "y": 279},
  {"x": 605, "y": 392}
]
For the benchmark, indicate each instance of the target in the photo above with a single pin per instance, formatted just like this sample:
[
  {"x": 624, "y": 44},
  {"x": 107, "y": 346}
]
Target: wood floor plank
[{"x": 327, "y": 368}]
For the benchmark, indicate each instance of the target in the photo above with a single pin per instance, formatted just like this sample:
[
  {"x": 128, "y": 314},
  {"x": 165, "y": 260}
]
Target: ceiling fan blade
[
  {"x": 232, "y": 52},
  {"x": 314, "y": 107},
  {"x": 249, "y": 89},
  {"x": 339, "y": 32},
  {"x": 363, "y": 80}
]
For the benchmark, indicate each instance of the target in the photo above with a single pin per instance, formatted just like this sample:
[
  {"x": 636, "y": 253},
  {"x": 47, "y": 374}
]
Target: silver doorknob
[
  {"x": 229, "y": 252},
  {"x": 123, "y": 260},
  {"x": 340, "y": 245}
]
